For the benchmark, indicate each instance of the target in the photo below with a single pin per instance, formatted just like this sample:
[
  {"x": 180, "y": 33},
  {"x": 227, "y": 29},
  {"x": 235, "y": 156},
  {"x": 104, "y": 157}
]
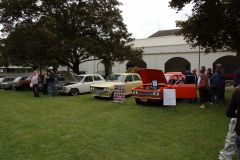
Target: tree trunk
[
  {"x": 107, "y": 67},
  {"x": 75, "y": 68},
  {"x": 40, "y": 68}
]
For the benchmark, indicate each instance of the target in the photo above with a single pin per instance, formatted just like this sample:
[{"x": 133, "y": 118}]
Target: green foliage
[
  {"x": 80, "y": 31},
  {"x": 213, "y": 24},
  {"x": 85, "y": 128},
  {"x": 132, "y": 70},
  {"x": 28, "y": 45}
]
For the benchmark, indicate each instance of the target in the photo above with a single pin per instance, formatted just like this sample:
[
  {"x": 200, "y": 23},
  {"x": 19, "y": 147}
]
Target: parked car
[
  {"x": 23, "y": 84},
  {"x": 78, "y": 84},
  {"x": 106, "y": 89},
  {"x": 152, "y": 93},
  {"x": 173, "y": 77},
  {"x": 5, "y": 80},
  {"x": 1, "y": 79},
  {"x": 14, "y": 83}
]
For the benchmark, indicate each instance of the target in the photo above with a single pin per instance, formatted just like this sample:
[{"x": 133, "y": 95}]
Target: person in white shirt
[{"x": 34, "y": 83}]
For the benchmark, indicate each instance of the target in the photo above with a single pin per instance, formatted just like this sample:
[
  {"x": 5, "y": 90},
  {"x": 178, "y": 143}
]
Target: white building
[{"x": 168, "y": 52}]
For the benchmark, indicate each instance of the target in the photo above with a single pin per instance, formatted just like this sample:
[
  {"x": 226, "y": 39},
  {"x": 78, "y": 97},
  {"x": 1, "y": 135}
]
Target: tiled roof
[{"x": 164, "y": 33}]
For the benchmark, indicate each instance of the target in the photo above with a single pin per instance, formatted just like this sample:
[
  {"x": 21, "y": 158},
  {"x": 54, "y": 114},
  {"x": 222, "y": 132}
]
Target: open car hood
[
  {"x": 68, "y": 76},
  {"x": 147, "y": 75}
]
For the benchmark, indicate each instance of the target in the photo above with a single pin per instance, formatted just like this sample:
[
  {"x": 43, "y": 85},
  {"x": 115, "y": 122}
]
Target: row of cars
[
  {"x": 22, "y": 82},
  {"x": 17, "y": 83},
  {"x": 147, "y": 85}
]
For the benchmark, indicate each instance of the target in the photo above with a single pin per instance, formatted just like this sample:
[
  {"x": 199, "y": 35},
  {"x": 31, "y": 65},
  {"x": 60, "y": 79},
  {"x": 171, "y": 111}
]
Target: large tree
[
  {"x": 84, "y": 30},
  {"x": 214, "y": 24},
  {"x": 28, "y": 45}
]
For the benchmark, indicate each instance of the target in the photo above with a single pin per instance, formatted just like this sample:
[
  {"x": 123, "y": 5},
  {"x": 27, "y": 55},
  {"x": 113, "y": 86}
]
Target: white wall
[{"x": 157, "y": 51}]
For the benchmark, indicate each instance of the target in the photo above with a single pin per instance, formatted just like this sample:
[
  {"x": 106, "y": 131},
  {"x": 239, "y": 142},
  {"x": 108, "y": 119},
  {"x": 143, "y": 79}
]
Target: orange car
[{"x": 154, "y": 82}]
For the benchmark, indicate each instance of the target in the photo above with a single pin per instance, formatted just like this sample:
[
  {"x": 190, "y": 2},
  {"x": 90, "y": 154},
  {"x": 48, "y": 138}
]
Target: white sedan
[{"x": 79, "y": 83}]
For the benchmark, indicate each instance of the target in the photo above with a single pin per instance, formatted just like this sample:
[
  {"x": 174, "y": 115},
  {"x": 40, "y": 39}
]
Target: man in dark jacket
[
  {"x": 51, "y": 80},
  {"x": 237, "y": 77},
  {"x": 216, "y": 85},
  {"x": 233, "y": 111}
]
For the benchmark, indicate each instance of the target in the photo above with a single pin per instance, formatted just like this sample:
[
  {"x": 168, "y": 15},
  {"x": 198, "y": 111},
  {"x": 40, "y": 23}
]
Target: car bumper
[
  {"x": 102, "y": 93},
  {"x": 148, "y": 98},
  {"x": 62, "y": 90}
]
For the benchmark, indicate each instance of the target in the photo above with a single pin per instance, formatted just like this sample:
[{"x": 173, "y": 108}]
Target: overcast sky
[{"x": 145, "y": 17}]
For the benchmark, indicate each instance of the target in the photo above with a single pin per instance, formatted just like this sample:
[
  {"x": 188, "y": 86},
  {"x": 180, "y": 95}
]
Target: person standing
[
  {"x": 203, "y": 86},
  {"x": 52, "y": 82},
  {"x": 216, "y": 85},
  {"x": 34, "y": 82},
  {"x": 194, "y": 72},
  {"x": 45, "y": 82},
  {"x": 209, "y": 74},
  {"x": 222, "y": 88},
  {"x": 237, "y": 77},
  {"x": 233, "y": 111},
  {"x": 230, "y": 145},
  {"x": 189, "y": 77}
]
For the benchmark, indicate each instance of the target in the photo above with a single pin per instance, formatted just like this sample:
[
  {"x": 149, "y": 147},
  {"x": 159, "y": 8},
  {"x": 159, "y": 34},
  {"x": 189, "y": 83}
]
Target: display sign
[
  {"x": 169, "y": 97},
  {"x": 119, "y": 93}
]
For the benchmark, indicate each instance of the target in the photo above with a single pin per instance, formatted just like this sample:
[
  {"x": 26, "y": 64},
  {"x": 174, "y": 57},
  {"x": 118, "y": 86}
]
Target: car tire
[
  {"x": 74, "y": 92},
  {"x": 112, "y": 96},
  {"x": 138, "y": 101}
]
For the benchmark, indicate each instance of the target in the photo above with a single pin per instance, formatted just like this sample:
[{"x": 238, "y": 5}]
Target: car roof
[
  {"x": 173, "y": 73},
  {"x": 125, "y": 73},
  {"x": 88, "y": 75}
]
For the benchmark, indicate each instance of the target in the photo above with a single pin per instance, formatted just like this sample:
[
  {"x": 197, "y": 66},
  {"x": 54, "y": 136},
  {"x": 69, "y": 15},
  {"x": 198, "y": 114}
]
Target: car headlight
[
  {"x": 106, "y": 89},
  {"x": 135, "y": 92},
  {"x": 91, "y": 88}
]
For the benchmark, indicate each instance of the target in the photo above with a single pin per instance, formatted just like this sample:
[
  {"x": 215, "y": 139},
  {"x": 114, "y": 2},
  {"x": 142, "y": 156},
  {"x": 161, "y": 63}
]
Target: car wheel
[
  {"x": 112, "y": 96},
  {"x": 74, "y": 92},
  {"x": 138, "y": 101}
]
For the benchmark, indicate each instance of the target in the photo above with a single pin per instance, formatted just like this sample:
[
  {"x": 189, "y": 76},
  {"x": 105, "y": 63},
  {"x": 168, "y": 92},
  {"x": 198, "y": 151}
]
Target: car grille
[
  {"x": 98, "y": 88},
  {"x": 145, "y": 93}
]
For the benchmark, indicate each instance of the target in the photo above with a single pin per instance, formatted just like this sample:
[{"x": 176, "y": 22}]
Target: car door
[
  {"x": 87, "y": 82},
  {"x": 129, "y": 84},
  {"x": 137, "y": 80}
]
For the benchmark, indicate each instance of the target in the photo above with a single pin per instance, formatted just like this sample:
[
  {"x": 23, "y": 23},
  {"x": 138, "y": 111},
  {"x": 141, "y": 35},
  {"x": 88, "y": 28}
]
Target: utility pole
[{"x": 199, "y": 59}]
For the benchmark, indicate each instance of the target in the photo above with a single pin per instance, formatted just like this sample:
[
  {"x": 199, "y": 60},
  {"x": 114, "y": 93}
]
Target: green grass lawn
[{"x": 85, "y": 128}]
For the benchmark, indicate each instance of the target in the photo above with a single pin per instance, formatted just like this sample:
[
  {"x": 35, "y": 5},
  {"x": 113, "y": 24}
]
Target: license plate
[
  {"x": 98, "y": 93},
  {"x": 143, "y": 99}
]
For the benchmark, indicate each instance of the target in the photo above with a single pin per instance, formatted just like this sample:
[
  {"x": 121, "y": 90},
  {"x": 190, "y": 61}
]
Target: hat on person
[{"x": 50, "y": 67}]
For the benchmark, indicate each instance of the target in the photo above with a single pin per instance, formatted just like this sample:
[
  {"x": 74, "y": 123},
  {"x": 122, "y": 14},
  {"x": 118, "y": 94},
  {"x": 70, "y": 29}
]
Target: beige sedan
[{"x": 106, "y": 89}]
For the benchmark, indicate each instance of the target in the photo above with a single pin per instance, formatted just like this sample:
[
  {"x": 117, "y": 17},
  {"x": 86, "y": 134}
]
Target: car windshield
[
  {"x": 117, "y": 78},
  {"x": 7, "y": 79},
  {"x": 79, "y": 78},
  {"x": 168, "y": 77},
  {"x": 17, "y": 79}
]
